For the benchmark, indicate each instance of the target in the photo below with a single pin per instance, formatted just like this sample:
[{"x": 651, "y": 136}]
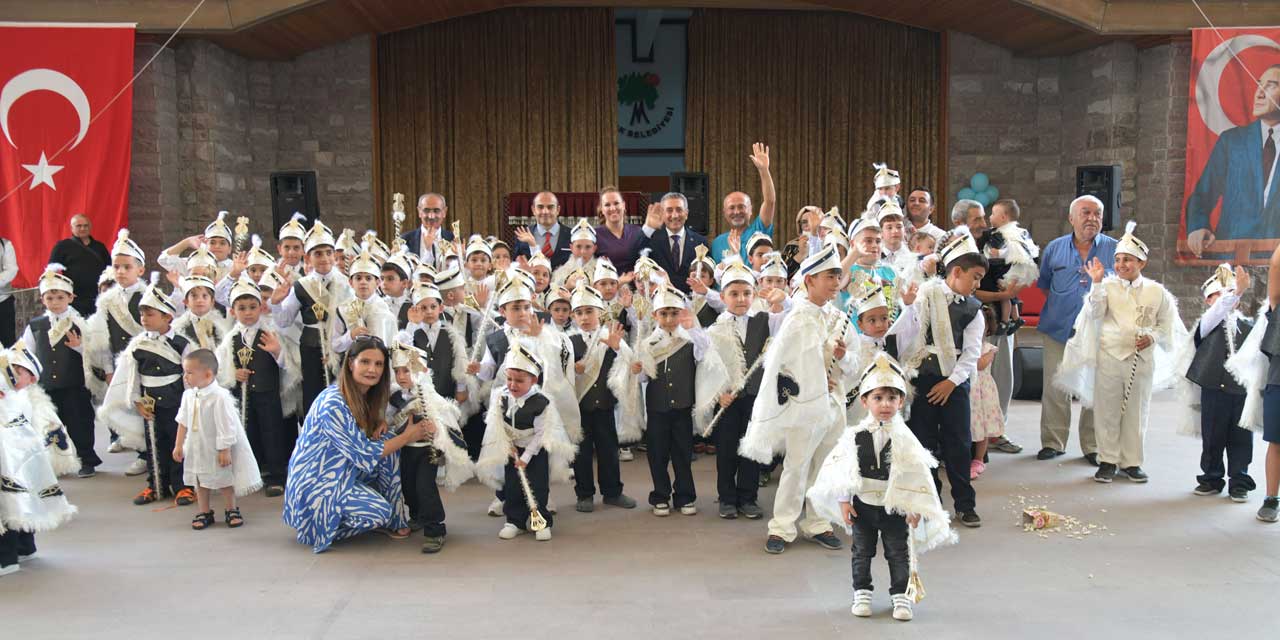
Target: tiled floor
[{"x": 1168, "y": 565}]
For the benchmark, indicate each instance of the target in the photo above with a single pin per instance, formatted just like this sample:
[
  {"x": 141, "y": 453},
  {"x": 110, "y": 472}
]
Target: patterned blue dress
[{"x": 340, "y": 485}]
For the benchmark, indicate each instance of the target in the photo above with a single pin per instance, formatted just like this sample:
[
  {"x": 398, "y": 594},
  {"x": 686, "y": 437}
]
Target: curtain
[
  {"x": 509, "y": 101},
  {"x": 830, "y": 93}
]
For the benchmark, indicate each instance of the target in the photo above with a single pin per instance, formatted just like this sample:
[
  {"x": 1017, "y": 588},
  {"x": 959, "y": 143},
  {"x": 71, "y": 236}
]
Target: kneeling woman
[{"x": 344, "y": 476}]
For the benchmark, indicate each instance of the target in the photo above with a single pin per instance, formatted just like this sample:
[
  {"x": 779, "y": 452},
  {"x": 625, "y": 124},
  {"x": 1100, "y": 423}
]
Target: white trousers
[
  {"x": 806, "y": 449},
  {"x": 1119, "y": 434}
]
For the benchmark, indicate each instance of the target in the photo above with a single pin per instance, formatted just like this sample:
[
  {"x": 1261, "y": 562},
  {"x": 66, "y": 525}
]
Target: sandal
[
  {"x": 394, "y": 534},
  {"x": 202, "y": 521},
  {"x": 232, "y": 517}
]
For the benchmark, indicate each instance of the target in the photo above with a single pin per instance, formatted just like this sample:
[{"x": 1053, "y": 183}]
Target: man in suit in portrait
[
  {"x": 1241, "y": 172},
  {"x": 432, "y": 211},
  {"x": 672, "y": 243},
  {"x": 548, "y": 236}
]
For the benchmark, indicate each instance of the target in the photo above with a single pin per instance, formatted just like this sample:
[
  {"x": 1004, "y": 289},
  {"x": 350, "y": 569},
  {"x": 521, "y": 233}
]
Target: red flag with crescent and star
[{"x": 65, "y": 146}]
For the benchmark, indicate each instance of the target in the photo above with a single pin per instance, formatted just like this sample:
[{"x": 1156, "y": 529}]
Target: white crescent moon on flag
[
  {"x": 44, "y": 80},
  {"x": 1210, "y": 76}
]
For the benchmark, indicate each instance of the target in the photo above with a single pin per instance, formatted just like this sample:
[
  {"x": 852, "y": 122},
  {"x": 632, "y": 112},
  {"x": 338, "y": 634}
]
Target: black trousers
[
  {"x": 599, "y": 439},
  {"x": 75, "y": 407},
  {"x": 473, "y": 434},
  {"x": 737, "y": 478},
  {"x": 669, "y": 437},
  {"x": 14, "y": 544},
  {"x": 312, "y": 360},
  {"x": 944, "y": 430},
  {"x": 421, "y": 493},
  {"x": 8, "y": 321},
  {"x": 891, "y": 529},
  {"x": 1220, "y": 432},
  {"x": 514, "y": 507},
  {"x": 166, "y": 435},
  {"x": 268, "y": 437}
]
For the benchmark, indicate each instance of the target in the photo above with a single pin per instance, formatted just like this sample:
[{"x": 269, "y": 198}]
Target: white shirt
[
  {"x": 531, "y": 443},
  {"x": 249, "y": 336},
  {"x": 932, "y": 229},
  {"x": 1222, "y": 307},
  {"x": 8, "y": 267},
  {"x": 540, "y": 234},
  {"x": 908, "y": 323},
  {"x": 427, "y": 251}
]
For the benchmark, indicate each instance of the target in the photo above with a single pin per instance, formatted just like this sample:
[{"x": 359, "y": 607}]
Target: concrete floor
[{"x": 1168, "y": 565}]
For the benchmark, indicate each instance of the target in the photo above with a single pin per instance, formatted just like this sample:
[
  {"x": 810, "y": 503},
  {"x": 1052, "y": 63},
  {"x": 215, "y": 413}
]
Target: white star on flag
[{"x": 42, "y": 173}]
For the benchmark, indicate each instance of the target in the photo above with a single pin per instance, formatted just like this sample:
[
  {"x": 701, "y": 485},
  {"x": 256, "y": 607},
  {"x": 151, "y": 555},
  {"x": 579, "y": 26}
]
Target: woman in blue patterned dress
[{"x": 344, "y": 475}]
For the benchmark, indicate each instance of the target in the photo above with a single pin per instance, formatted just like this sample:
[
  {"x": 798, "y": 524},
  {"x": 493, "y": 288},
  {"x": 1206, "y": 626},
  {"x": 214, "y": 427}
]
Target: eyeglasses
[{"x": 369, "y": 338}]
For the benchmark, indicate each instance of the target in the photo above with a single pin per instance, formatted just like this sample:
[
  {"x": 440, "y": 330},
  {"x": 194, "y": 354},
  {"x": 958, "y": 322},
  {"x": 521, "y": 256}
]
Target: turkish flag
[{"x": 66, "y": 113}]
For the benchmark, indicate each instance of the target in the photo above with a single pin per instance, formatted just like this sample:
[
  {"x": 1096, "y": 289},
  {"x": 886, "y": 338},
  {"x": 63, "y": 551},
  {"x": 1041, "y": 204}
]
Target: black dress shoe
[
  {"x": 970, "y": 519},
  {"x": 1048, "y": 453},
  {"x": 273, "y": 491},
  {"x": 1106, "y": 473},
  {"x": 776, "y": 545},
  {"x": 1091, "y": 458},
  {"x": 827, "y": 540}
]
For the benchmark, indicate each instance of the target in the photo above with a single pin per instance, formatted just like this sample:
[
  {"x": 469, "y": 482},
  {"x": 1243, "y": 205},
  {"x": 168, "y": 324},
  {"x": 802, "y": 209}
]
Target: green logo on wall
[{"x": 640, "y": 91}]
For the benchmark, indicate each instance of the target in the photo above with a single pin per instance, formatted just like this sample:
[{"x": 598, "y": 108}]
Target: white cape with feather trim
[
  {"x": 1250, "y": 367},
  {"x": 31, "y": 499},
  {"x": 43, "y": 413},
  {"x": 495, "y": 453},
  {"x": 445, "y": 412}
]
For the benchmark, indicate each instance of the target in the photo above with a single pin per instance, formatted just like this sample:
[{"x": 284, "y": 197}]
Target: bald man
[
  {"x": 736, "y": 208},
  {"x": 84, "y": 259}
]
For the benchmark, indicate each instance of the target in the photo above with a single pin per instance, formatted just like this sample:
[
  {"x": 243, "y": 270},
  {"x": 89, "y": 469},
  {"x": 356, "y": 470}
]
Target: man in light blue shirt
[
  {"x": 737, "y": 212},
  {"x": 1065, "y": 284}
]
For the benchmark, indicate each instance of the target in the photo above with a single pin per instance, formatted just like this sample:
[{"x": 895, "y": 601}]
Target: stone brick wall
[{"x": 1029, "y": 122}]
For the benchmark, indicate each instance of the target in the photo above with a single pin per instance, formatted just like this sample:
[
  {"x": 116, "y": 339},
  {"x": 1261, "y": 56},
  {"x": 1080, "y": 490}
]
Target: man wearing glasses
[
  {"x": 1065, "y": 283},
  {"x": 432, "y": 211}
]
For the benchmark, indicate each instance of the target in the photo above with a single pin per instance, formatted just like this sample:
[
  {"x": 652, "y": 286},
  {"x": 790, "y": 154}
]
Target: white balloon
[
  {"x": 46, "y": 80},
  {"x": 1210, "y": 77}
]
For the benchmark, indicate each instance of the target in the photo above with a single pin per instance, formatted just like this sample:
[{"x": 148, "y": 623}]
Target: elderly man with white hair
[{"x": 1065, "y": 283}]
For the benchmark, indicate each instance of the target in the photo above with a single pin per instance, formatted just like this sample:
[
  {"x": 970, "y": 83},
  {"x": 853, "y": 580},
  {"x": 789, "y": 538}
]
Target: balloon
[
  {"x": 966, "y": 194},
  {"x": 979, "y": 182},
  {"x": 984, "y": 197},
  {"x": 993, "y": 193}
]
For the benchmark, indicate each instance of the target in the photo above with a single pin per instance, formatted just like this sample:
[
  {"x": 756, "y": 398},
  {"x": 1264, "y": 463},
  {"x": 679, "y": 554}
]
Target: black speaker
[
  {"x": 1103, "y": 183},
  {"x": 695, "y": 187},
  {"x": 1028, "y": 373},
  {"x": 293, "y": 191}
]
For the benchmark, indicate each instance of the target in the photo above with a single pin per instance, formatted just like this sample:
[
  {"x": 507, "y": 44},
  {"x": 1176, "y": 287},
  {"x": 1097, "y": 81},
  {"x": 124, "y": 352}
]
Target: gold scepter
[
  {"x": 321, "y": 313},
  {"x": 536, "y": 522},
  {"x": 245, "y": 355},
  {"x": 242, "y": 232},
  {"x": 699, "y": 252},
  {"x": 1144, "y": 328},
  {"x": 499, "y": 281},
  {"x": 149, "y": 404},
  {"x": 417, "y": 366},
  {"x": 397, "y": 219},
  {"x": 755, "y": 364}
]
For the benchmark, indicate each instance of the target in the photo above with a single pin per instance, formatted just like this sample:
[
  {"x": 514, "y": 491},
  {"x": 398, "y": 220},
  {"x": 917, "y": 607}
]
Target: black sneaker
[
  {"x": 86, "y": 471},
  {"x": 776, "y": 545},
  {"x": 1270, "y": 511},
  {"x": 1239, "y": 494},
  {"x": 1091, "y": 458},
  {"x": 728, "y": 511},
  {"x": 751, "y": 511},
  {"x": 765, "y": 477},
  {"x": 1048, "y": 453},
  {"x": 970, "y": 519},
  {"x": 1136, "y": 474},
  {"x": 1106, "y": 473},
  {"x": 827, "y": 540},
  {"x": 273, "y": 491},
  {"x": 1206, "y": 489},
  {"x": 433, "y": 544},
  {"x": 585, "y": 505},
  {"x": 622, "y": 501}
]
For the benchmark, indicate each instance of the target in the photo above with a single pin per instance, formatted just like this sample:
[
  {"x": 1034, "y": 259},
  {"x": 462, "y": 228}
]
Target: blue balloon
[
  {"x": 984, "y": 198},
  {"x": 993, "y": 193},
  {"x": 966, "y": 194},
  {"x": 979, "y": 182}
]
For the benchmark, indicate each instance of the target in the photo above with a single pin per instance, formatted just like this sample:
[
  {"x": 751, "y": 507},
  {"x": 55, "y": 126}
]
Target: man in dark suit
[
  {"x": 1241, "y": 172},
  {"x": 672, "y": 244},
  {"x": 548, "y": 237},
  {"x": 432, "y": 212},
  {"x": 84, "y": 258}
]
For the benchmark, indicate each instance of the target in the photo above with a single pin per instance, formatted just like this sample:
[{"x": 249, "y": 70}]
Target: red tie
[{"x": 546, "y": 245}]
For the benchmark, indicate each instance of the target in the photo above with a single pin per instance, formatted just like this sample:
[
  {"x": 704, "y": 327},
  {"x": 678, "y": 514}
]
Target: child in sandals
[{"x": 211, "y": 442}]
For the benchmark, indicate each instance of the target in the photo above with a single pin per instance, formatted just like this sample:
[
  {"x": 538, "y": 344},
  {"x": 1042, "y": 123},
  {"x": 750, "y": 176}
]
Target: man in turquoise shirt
[{"x": 737, "y": 212}]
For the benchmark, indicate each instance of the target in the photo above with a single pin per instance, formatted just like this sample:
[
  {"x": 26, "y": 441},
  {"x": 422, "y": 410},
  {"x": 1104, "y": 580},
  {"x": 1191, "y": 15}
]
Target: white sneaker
[
  {"x": 116, "y": 447},
  {"x": 136, "y": 468},
  {"x": 543, "y": 535},
  {"x": 27, "y": 557},
  {"x": 8, "y": 569},
  {"x": 902, "y": 607},
  {"x": 625, "y": 455},
  {"x": 689, "y": 510},
  {"x": 662, "y": 510},
  {"x": 861, "y": 603},
  {"x": 509, "y": 531},
  {"x": 495, "y": 508}
]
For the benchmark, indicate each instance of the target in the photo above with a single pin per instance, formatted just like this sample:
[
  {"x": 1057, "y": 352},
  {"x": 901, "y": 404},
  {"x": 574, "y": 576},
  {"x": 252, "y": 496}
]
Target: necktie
[
  {"x": 1268, "y": 158},
  {"x": 195, "y": 413},
  {"x": 546, "y": 245},
  {"x": 675, "y": 250}
]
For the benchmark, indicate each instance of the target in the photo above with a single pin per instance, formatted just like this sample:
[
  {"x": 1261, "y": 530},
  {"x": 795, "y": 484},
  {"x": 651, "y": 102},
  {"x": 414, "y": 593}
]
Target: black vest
[
  {"x": 1208, "y": 366},
  {"x": 1271, "y": 348},
  {"x": 266, "y": 373},
  {"x": 869, "y": 466},
  {"x": 961, "y": 313},
  {"x": 402, "y": 316},
  {"x": 169, "y": 395},
  {"x": 439, "y": 360},
  {"x": 753, "y": 349},
  {"x": 118, "y": 337},
  {"x": 63, "y": 367},
  {"x": 497, "y": 345},
  {"x": 672, "y": 388},
  {"x": 189, "y": 330},
  {"x": 707, "y": 316},
  {"x": 598, "y": 396},
  {"x": 310, "y": 335},
  {"x": 467, "y": 332},
  {"x": 533, "y": 407}
]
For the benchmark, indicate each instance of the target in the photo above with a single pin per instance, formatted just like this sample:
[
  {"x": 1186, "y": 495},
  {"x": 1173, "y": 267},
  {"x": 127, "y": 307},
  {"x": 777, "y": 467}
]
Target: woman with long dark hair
[{"x": 344, "y": 476}]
